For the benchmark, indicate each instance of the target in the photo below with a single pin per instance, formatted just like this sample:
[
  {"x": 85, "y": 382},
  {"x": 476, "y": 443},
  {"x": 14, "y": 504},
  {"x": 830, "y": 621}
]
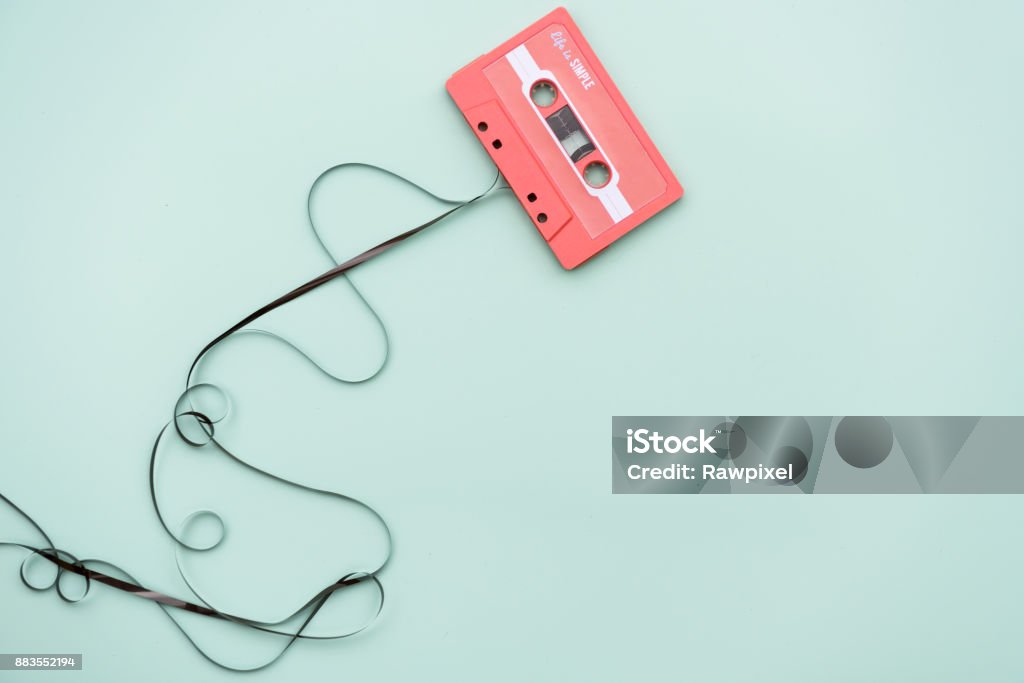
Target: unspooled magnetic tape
[{"x": 574, "y": 155}]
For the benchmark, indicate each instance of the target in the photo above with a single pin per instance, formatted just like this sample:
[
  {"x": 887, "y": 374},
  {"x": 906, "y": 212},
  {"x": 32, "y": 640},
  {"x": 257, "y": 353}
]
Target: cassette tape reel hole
[
  {"x": 543, "y": 93},
  {"x": 597, "y": 174}
]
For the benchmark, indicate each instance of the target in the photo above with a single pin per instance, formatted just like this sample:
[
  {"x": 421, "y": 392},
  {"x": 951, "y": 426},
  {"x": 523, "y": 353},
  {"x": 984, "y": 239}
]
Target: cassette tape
[{"x": 564, "y": 138}]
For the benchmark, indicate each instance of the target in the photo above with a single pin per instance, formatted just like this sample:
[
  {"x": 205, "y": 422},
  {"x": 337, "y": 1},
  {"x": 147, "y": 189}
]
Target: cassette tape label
[
  {"x": 576, "y": 102},
  {"x": 578, "y": 135}
]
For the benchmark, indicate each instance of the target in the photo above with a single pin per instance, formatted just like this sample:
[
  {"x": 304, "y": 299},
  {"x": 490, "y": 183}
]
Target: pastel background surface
[{"x": 850, "y": 243}]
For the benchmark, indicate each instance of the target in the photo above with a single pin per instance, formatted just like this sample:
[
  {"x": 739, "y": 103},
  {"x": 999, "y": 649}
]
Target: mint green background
[{"x": 850, "y": 243}]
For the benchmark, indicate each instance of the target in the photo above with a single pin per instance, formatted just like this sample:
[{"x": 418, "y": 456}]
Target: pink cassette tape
[{"x": 564, "y": 138}]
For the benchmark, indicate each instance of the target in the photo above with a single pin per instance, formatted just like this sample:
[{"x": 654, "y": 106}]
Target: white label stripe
[
  {"x": 610, "y": 196},
  {"x": 615, "y": 203}
]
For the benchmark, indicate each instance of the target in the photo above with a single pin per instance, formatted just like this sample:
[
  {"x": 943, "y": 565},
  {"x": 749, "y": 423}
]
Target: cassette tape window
[{"x": 570, "y": 133}]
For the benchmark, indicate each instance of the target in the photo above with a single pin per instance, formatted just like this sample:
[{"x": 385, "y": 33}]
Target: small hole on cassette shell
[
  {"x": 597, "y": 174},
  {"x": 482, "y": 126},
  {"x": 496, "y": 144},
  {"x": 543, "y": 93},
  {"x": 542, "y": 218},
  {"x": 531, "y": 197}
]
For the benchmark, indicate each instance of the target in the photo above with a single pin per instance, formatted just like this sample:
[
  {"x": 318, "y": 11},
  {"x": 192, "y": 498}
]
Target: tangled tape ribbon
[{"x": 197, "y": 429}]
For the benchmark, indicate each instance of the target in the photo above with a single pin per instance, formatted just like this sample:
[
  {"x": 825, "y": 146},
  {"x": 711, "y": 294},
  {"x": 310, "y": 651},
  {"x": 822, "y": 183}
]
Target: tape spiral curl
[{"x": 197, "y": 428}]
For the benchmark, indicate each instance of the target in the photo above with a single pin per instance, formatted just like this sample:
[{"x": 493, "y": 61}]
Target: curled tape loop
[
  {"x": 198, "y": 515},
  {"x": 66, "y": 577},
  {"x": 194, "y": 426},
  {"x": 198, "y": 409},
  {"x": 59, "y": 577},
  {"x": 26, "y": 565}
]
